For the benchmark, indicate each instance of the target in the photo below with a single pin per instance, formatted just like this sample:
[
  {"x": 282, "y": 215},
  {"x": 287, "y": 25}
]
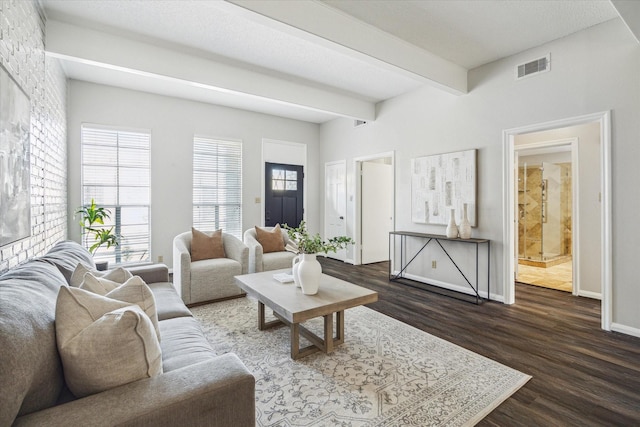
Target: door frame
[
  {"x": 575, "y": 202},
  {"x": 508, "y": 181},
  {"x": 357, "y": 212},
  {"x": 342, "y": 163}
]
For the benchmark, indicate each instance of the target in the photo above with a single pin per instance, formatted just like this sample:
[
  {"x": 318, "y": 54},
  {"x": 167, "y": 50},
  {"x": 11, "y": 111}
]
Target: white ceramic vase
[
  {"x": 465, "y": 225},
  {"x": 295, "y": 265},
  {"x": 309, "y": 272},
  {"x": 452, "y": 228}
]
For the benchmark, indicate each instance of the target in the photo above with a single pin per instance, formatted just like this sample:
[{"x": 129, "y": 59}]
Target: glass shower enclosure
[{"x": 544, "y": 212}]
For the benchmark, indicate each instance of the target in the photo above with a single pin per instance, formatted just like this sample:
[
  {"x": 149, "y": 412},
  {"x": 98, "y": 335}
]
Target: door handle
[{"x": 341, "y": 217}]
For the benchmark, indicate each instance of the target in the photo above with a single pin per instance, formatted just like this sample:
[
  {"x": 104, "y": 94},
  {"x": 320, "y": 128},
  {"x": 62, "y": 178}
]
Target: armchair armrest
[
  {"x": 151, "y": 273},
  {"x": 255, "y": 252},
  {"x": 182, "y": 268},
  {"x": 218, "y": 392},
  {"x": 236, "y": 250}
]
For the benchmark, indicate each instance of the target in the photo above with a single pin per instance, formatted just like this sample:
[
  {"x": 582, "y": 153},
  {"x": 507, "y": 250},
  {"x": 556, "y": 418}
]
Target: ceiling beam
[
  {"x": 109, "y": 51},
  {"x": 629, "y": 11},
  {"x": 320, "y": 23}
]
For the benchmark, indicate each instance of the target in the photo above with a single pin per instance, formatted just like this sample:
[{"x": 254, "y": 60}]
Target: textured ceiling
[{"x": 468, "y": 33}]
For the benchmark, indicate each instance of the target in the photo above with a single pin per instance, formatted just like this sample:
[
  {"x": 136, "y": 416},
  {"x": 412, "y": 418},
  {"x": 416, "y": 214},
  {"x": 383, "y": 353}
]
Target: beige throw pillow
[
  {"x": 118, "y": 275},
  {"x": 271, "y": 241},
  {"x": 204, "y": 246},
  {"x": 133, "y": 291},
  {"x": 103, "y": 343}
]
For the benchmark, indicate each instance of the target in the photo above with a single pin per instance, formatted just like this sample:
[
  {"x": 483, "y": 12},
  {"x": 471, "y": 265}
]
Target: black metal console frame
[{"x": 438, "y": 238}]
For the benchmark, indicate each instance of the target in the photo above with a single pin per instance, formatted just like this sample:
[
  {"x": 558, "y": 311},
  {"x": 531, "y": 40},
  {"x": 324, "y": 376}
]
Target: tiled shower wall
[{"x": 22, "y": 29}]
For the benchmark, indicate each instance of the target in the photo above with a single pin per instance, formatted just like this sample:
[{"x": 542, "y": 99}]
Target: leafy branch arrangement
[
  {"x": 308, "y": 244},
  {"x": 90, "y": 216}
]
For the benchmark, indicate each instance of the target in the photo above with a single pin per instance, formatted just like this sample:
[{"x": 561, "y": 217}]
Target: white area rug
[{"x": 386, "y": 373}]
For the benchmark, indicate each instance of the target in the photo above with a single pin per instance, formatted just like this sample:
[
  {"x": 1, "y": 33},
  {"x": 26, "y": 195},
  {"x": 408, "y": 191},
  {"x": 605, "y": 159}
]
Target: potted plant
[
  {"x": 92, "y": 219},
  {"x": 306, "y": 268}
]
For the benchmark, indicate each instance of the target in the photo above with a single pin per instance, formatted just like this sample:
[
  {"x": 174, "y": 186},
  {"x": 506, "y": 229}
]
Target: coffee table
[{"x": 291, "y": 307}]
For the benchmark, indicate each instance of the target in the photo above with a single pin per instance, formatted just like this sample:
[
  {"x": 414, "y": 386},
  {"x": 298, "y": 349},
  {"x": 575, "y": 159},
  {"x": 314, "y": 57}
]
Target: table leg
[
  {"x": 262, "y": 323},
  {"x": 339, "y": 339}
]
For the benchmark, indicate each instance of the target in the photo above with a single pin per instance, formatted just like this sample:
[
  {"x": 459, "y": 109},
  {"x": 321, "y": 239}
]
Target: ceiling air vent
[
  {"x": 537, "y": 66},
  {"x": 357, "y": 123}
]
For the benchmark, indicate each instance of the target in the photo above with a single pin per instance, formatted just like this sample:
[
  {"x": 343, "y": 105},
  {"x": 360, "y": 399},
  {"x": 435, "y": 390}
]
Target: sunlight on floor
[{"x": 557, "y": 277}]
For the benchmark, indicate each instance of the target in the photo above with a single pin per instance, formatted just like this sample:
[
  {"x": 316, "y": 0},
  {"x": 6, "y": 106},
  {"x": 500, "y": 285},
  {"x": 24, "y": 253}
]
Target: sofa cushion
[
  {"x": 204, "y": 246},
  {"x": 30, "y": 370},
  {"x": 103, "y": 342},
  {"x": 270, "y": 240},
  {"x": 168, "y": 302},
  {"x": 118, "y": 275},
  {"x": 183, "y": 343},
  {"x": 66, "y": 255},
  {"x": 133, "y": 291}
]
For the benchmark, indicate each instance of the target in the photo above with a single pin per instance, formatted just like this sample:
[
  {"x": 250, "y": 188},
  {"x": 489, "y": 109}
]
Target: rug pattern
[{"x": 386, "y": 373}]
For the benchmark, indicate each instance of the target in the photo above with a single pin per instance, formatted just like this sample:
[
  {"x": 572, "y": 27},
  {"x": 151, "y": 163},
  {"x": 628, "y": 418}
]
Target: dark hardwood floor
[{"x": 582, "y": 375}]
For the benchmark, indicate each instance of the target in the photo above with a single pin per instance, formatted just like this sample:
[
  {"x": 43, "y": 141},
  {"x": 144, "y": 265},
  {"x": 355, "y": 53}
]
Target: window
[
  {"x": 217, "y": 185},
  {"x": 116, "y": 174},
  {"x": 284, "y": 180}
]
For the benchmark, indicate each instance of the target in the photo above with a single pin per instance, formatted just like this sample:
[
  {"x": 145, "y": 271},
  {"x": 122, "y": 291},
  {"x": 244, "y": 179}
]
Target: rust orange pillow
[
  {"x": 204, "y": 246},
  {"x": 271, "y": 241}
]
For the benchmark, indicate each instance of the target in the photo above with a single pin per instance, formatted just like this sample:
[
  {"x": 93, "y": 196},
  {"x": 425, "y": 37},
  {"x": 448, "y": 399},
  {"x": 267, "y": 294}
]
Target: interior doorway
[
  {"x": 594, "y": 270},
  {"x": 335, "y": 204},
  {"x": 547, "y": 172},
  {"x": 375, "y": 207}
]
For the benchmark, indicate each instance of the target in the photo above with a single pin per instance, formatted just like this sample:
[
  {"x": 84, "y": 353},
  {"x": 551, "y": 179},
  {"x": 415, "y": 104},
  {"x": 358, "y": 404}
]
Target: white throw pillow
[
  {"x": 118, "y": 275},
  {"x": 103, "y": 342},
  {"x": 133, "y": 291},
  {"x": 98, "y": 285}
]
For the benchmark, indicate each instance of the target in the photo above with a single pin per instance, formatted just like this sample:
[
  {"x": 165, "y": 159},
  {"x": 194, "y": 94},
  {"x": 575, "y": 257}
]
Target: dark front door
[{"x": 283, "y": 194}]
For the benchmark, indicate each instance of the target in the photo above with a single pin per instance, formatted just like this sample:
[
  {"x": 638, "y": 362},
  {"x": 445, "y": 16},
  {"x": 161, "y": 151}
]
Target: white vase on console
[
  {"x": 465, "y": 225},
  {"x": 452, "y": 228}
]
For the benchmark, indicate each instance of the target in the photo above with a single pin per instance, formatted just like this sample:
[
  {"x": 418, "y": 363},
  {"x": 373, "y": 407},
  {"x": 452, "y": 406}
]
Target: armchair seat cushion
[
  {"x": 213, "y": 279},
  {"x": 277, "y": 260}
]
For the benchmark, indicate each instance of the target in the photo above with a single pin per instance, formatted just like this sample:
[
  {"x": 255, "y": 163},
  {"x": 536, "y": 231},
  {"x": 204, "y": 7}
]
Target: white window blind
[
  {"x": 217, "y": 185},
  {"x": 116, "y": 174}
]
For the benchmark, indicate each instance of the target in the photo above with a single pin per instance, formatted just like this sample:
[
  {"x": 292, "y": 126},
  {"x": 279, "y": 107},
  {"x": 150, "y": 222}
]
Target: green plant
[
  {"x": 91, "y": 217},
  {"x": 313, "y": 244}
]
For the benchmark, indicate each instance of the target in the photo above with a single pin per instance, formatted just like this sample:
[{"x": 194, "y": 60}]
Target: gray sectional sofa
[{"x": 196, "y": 388}]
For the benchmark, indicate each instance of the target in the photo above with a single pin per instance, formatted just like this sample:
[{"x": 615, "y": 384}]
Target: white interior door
[
  {"x": 377, "y": 211},
  {"x": 335, "y": 203}
]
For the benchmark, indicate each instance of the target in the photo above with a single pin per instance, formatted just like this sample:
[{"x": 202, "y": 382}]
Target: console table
[{"x": 406, "y": 260}]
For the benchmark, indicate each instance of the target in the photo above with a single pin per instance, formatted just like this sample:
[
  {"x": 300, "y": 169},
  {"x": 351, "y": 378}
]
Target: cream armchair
[
  {"x": 209, "y": 279},
  {"x": 260, "y": 261}
]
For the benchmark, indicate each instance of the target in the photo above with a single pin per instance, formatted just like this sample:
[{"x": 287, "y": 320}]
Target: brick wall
[{"x": 22, "y": 27}]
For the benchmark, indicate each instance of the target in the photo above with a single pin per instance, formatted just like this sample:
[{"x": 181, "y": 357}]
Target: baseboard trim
[
  {"x": 350, "y": 261},
  {"x": 624, "y": 329},
  {"x": 450, "y": 286},
  {"x": 589, "y": 294}
]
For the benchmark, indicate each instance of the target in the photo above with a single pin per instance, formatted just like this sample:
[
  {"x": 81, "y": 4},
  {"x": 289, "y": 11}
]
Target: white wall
[
  {"x": 592, "y": 71},
  {"x": 589, "y": 197},
  {"x": 173, "y": 123}
]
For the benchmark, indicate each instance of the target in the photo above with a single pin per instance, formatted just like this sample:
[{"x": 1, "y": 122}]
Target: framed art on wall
[
  {"x": 15, "y": 177},
  {"x": 442, "y": 182}
]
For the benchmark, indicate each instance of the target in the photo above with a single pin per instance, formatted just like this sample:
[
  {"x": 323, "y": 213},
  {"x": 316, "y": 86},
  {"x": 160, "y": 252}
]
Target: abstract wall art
[
  {"x": 15, "y": 184},
  {"x": 441, "y": 182}
]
